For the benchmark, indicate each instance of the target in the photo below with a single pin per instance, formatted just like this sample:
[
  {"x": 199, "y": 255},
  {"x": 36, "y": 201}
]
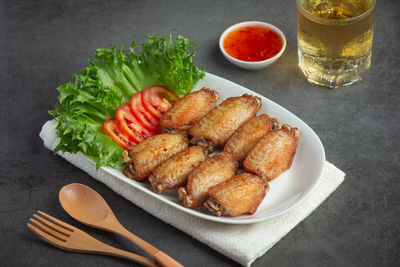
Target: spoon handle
[{"x": 158, "y": 256}]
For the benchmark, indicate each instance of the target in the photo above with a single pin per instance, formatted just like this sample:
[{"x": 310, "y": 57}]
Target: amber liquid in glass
[{"x": 335, "y": 40}]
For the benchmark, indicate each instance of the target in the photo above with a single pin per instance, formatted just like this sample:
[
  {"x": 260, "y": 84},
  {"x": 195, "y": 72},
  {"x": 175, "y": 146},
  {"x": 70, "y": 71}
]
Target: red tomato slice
[
  {"x": 157, "y": 99},
  {"x": 142, "y": 115},
  {"x": 130, "y": 126},
  {"x": 112, "y": 130}
]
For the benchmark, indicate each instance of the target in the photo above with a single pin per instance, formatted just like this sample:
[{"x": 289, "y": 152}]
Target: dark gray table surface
[{"x": 44, "y": 42}]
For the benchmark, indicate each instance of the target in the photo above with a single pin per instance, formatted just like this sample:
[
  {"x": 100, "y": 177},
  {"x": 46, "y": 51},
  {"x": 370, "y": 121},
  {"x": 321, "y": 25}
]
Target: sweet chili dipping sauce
[{"x": 252, "y": 43}]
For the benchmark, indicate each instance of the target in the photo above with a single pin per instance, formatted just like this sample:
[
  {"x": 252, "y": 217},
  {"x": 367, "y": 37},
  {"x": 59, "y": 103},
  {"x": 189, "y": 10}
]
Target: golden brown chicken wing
[
  {"x": 273, "y": 154},
  {"x": 173, "y": 173},
  {"x": 247, "y": 136},
  {"x": 212, "y": 171},
  {"x": 190, "y": 109},
  {"x": 241, "y": 194},
  {"x": 221, "y": 122},
  {"x": 150, "y": 153}
]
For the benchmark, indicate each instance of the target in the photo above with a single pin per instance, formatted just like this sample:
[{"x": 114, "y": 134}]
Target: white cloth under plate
[{"x": 242, "y": 243}]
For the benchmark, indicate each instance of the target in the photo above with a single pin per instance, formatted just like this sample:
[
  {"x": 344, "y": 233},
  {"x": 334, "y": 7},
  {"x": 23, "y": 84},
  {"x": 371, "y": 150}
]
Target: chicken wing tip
[
  {"x": 125, "y": 157},
  {"x": 157, "y": 188},
  {"x": 213, "y": 207},
  {"x": 253, "y": 98},
  {"x": 294, "y": 131},
  {"x": 185, "y": 198},
  {"x": 275, "y": 123}
]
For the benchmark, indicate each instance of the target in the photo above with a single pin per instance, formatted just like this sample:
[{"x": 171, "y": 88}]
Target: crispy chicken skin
[
  {"x": 190, "y": 109},
  {"x": 152, "y": 152},
  {"x": 173, "y": 172},
  {"x": 273, "y": 154},
  {"x": 246, "y": 137},
  {"x": 210, "y": 172},
  {"x": 215, "y": 128},
  {"x": 241, "y": 194}
]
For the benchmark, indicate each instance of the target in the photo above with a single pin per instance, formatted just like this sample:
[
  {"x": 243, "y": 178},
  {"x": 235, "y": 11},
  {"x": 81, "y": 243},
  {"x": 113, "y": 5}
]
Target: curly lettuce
[{"x": 109, "y": 81}]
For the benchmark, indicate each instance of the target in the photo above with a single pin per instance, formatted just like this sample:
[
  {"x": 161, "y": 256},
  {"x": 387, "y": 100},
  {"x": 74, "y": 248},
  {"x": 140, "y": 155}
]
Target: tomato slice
[
  {"x": 142, "y": 115},
  {"x": 157, "y": 99},
  {"x": 130, "y": 126},
  {"x": 112, "y": 130}
]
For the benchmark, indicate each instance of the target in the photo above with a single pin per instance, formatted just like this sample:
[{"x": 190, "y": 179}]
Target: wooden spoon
[{"x": 89, "y": 207}]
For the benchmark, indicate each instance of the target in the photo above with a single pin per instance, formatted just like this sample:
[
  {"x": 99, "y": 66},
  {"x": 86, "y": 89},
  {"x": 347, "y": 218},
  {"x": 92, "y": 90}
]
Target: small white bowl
[{"x": 252, "y": 65}]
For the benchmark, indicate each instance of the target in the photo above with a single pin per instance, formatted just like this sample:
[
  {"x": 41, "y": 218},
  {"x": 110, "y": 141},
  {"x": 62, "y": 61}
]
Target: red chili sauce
[{"x": 252, "y": 43}]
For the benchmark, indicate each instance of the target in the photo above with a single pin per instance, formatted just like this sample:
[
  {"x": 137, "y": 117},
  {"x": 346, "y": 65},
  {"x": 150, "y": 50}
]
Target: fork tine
[
  {"x": 49, "y": 230},
  {"x": 46, "y": 237},
  {"x": 56, "y": 221},
  {"x": 53, "y": 226}
]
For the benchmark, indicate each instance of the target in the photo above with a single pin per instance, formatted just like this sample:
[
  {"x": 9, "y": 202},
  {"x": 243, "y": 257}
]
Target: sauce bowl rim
[{"x": 253, "y": 23}]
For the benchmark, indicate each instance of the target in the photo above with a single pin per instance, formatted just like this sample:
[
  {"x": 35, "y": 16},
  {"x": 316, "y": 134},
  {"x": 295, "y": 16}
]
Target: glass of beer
[{"x": 335, "y": 40}]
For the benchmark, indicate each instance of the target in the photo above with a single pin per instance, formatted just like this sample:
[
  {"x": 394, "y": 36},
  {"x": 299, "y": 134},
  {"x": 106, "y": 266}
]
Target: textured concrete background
[{"x": 44, "y": 42}]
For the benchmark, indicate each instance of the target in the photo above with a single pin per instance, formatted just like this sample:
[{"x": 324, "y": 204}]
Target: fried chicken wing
[
  {"x": 173, "y": 172},
  {"x": 273, "y": 154},
  {"x": 215, "y": 128},
  {"x": 246, "y": 137},
  {"x": 212, "y": 171},
  {"x": 241, "y": 194},
  {"x": 150, "y": 153},
  {"x": 190, "y": 109}
]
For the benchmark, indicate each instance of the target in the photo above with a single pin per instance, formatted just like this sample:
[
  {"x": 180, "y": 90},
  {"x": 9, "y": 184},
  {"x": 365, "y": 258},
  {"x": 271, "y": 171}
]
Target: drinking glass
[{"x": 335, "y": 40}]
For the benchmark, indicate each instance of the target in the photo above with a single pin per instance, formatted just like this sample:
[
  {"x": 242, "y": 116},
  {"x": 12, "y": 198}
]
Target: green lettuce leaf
[{"x": 109, "y": 81}]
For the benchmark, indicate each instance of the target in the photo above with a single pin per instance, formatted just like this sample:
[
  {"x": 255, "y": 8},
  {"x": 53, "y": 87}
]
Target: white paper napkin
[{"x": 242, "y": 243}]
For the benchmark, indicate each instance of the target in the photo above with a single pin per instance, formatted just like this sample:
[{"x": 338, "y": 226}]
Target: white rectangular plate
[{"x": 286, "y": 192}]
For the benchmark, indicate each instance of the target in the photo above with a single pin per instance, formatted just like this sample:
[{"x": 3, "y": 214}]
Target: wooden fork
[{"x": 68, "y": 237}]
